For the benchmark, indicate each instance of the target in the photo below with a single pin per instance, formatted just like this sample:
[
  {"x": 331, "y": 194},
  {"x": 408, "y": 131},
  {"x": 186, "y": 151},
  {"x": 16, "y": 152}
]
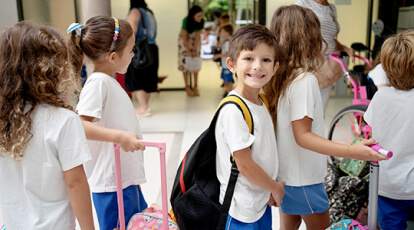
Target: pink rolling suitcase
[{"x": 150, "y": 215}]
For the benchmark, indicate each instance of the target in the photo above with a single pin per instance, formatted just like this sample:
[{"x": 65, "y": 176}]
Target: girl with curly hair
[{"x": 42, "y": 141}]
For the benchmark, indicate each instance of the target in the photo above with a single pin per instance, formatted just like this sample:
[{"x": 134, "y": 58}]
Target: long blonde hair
[
  {"x": 298, "y": 32},
  {"x": 34, "y": 69}
]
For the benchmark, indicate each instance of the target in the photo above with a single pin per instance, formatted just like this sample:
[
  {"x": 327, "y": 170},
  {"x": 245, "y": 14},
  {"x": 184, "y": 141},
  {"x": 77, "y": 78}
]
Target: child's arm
[
  {"x": 256, "y": 175},
  {"x": 127, "y": 140},
  {"x": 79, "y": 195},
  {"x": 308, "y": 140},
  {"x": 216, "y": 56}
]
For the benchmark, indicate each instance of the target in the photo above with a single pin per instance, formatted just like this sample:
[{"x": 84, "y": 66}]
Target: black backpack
[{"x": 196, "y": 189}]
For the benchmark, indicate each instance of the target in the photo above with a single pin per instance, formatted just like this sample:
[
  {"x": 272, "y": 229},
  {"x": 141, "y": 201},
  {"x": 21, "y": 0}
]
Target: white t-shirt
[
  {"x": 391, "y": 116},
  {"x": 329, "y": 27},
  {"x": 232, "y": 134},
  {"x": 33, "y": 191},
  {"x": 104, "y": 99},
  {"x": 299, "y": 166},
  {"x": 225, "y": 49},
  {"x": 378, "y": 75}
]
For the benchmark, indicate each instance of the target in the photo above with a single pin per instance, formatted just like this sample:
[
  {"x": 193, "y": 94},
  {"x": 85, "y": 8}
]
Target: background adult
[
  {"x": 189, "y": 44},
  {"x": 327, "y": 16},
  {"x": 143, "y": 82}
]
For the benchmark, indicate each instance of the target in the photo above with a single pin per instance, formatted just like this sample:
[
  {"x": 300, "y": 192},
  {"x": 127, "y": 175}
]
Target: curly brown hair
[
  {"x": 96, "y": 39},
  {"x": 397, "y": 58},
  {"x": 298, "y": 32},
  {"x": 34, "y": 69}
]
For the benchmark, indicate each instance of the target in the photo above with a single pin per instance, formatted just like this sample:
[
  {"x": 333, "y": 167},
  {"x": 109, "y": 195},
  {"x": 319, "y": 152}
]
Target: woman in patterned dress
[{"x": 189, "y": 44}]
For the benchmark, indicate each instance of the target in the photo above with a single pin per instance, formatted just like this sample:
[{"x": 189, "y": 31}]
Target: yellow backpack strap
[
  {"x": 242, "y": 106},
  {"x": 264, "y": 99}
]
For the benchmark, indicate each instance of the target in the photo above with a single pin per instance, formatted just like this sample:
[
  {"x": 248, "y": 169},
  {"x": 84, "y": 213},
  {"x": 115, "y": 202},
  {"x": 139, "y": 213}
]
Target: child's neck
[
  {"x": 250, "y": 94},
  {"x": 104, "y": 68}
]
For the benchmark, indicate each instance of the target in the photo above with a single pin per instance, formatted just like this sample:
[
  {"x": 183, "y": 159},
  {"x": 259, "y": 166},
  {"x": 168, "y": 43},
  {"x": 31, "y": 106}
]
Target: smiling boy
[{"x": 253, "y": 59}]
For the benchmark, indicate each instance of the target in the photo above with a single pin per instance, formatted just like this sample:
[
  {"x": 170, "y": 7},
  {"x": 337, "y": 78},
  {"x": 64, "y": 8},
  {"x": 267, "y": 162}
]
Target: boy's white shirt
[
  {"x": 33, "y": 191},
  {"x": 232, "y": 134},
  {"x": 104, "y": 99},
  {"x": 299, "y": 166},
  {"x": 391, "y": 116},
  {"x": 225, "y": 49},
  {"x": 378, "y": 75}
]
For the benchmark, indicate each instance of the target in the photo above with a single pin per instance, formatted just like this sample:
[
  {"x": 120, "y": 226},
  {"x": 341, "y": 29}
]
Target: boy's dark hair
[
  {"x": 250, "y": 36},
  {"x": 225, "y": 16},
  {"x": 397, "y": 58},
  {"x": 228, "y": 28}
]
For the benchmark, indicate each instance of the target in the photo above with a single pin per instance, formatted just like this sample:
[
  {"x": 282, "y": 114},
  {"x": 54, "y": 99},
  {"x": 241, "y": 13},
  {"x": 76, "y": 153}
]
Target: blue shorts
[
  {"x": 106, "y": 206},
  {"x": 264, "y": 223},
  {"x": 305, "y": 200},
  {"x": 394, "y": 214},
  {"x": 227, "y": 75}
]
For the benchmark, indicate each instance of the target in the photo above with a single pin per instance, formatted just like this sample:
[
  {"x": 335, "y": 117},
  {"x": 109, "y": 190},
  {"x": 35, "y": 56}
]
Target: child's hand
[
  {"x": 129, "y": 142},
  {"x": 363, "y": 151},
  {"x": 215, "y": 57},
  {"x": 278, "y": 194}
]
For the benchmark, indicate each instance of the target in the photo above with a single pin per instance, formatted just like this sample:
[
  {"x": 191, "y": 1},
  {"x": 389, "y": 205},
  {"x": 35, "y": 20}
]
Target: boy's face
[{"x": 254, "y": 68}]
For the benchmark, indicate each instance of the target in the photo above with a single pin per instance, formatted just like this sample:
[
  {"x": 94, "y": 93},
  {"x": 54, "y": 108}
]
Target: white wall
[
  {"x": 169, "y": 15},
  {"x": 8, "y": 13}
]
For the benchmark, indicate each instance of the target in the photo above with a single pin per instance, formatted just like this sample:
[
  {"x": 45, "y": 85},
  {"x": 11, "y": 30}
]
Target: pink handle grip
[
  {"x": 334, "y": 56},
  {"x": 382, "y": 151},
  {"x": 161, "y": 148}
]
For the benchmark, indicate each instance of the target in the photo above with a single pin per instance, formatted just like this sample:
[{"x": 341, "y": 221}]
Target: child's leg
[
  {"x": 106, "y": 206},
  {"x": 393, "y": 214},
  {"x": 317, "y": 221},
  {"x": 288, "y": 221},
  {"x": 264, "y": 223}
]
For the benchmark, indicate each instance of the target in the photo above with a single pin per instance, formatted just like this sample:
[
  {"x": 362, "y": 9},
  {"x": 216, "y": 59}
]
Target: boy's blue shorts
[
  {"x": 394, "y": 214},
  {"x": 106, "y": 206},
  {"x": 227, "y": 75},
  {"x": 305, "y": 200},
  {"x": 264, "y": 223}
]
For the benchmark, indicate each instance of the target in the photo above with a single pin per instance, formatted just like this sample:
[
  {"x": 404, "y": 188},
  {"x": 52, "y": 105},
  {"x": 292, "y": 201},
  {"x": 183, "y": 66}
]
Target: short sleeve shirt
[
  {"x": 232, "y": 134},
  {"x": 300, "y": 166},
  {"x": 104, "y": 99},
  {"x": 33, "y": 192},
  {"x": 184, "y": 25},
  {"x": 391, "y": 116}
]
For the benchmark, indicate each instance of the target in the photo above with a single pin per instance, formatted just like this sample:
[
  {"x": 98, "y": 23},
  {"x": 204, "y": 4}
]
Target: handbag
[
  {"x": 331, "y": 71},
  {"x": 143, "y": 56},
  {"x": 192, "y": 63}
]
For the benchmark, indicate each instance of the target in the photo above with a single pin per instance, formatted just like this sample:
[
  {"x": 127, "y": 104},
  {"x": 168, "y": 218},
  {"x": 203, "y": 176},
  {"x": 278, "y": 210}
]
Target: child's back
[
  {"x": 391, "y": 116},
  {"x": 33, "y": 191}
]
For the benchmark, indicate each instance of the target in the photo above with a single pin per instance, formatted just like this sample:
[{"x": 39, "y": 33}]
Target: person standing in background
[
  {"x": 327, "y": 15},
  {"x": 144, "y": 81},
  {"x": 189, "y": 44}
]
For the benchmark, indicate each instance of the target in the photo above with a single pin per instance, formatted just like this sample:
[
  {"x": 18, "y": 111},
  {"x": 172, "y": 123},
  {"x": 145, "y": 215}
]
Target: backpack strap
[
  {"x": 264, "y": 99},
  {"x": 233, "y": 99}
]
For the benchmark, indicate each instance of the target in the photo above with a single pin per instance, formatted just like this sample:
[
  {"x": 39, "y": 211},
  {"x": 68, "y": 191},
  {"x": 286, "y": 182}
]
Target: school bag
[
  {"x": 347, "y": 224},
  {"x": 195, "y": 193}
]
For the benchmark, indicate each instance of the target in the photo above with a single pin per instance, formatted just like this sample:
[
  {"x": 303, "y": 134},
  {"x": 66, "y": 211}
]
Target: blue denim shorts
[
  {"x": 394, "y": 214},
  {"x": 227, "y": 75},
  {"x": 305, "y": 200},
  {"x": 264, "y": 223},
  {"x": 106, "y": 206}
]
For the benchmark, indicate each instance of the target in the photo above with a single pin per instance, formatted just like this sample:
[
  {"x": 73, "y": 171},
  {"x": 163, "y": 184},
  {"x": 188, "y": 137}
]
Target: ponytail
[{"x": 75, "y": 52}]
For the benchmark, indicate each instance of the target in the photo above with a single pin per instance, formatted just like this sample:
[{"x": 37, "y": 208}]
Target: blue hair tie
[{"x": 75, "y": 27}]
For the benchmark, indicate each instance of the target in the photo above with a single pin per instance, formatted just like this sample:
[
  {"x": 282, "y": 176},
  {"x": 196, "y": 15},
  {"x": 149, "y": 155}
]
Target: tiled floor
[{"x": 179, "y": 120}]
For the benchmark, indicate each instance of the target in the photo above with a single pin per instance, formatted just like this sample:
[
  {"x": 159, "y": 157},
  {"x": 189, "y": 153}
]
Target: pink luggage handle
[{"x": 161, "y": 147}]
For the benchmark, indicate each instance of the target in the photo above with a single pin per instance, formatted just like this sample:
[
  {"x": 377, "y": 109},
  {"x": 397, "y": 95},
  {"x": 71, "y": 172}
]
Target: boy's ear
[
  {"x": 275, "y": 67},
  {"x": 231, "y": 65}
]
